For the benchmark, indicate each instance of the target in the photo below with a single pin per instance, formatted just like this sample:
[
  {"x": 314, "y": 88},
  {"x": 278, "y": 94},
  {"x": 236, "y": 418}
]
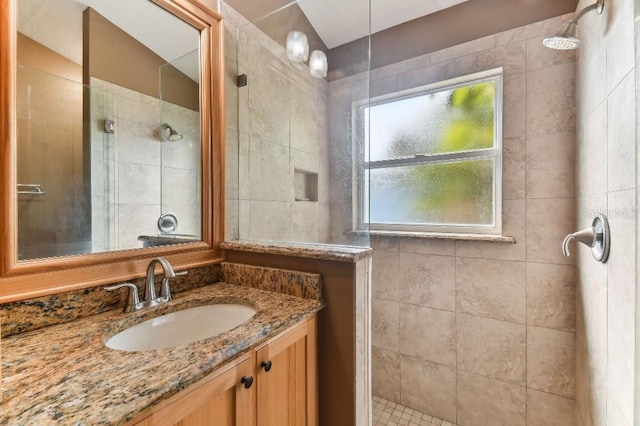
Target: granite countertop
[
  {"x": 64, "y": 374},
  {"x": 309, "y": 250}
]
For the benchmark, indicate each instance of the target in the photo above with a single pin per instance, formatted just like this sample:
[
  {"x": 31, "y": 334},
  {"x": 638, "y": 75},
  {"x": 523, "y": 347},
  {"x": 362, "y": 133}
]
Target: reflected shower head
[
  {"x": 566, "y": 38},
  {"x": 174, "y": 135}
]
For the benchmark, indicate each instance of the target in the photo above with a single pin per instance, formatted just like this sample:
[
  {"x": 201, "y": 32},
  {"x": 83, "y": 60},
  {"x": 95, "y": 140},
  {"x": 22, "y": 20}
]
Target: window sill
[{"x": 445, "y": 236}]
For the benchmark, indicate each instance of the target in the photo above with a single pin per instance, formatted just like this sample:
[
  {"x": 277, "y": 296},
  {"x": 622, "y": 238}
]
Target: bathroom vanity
[
  {"x": 273, "y": 384},
  {"x": 75, "y": 379},
  {"x": 310, "y": 317}
]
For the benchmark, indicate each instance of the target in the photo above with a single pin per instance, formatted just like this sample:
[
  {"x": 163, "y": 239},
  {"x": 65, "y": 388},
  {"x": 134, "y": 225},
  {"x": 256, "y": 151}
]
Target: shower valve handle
[{"x": 597, "y": 237}]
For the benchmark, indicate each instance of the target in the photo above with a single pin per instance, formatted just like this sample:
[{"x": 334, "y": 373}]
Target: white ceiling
[
  {"x": 341, "y": 21},
  {"x": 58, "y": 26}
]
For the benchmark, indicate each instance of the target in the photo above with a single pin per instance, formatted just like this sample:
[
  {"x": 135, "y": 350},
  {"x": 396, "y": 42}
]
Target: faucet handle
[{"x": 134, "y": 300}]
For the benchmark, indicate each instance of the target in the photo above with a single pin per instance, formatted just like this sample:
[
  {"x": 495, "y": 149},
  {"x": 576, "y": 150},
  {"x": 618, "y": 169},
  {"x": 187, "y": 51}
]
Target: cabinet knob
[
  {"x": 247, "y": 381},
  {"x": 266, "y": 365}
]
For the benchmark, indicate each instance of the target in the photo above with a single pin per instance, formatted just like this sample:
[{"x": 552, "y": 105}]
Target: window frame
[{"x": 361, "y": 208}]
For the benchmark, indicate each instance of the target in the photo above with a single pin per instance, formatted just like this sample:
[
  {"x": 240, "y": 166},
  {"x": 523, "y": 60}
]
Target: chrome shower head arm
[
  {"x": 566, "y": 38},
  {"x": 597, "y": 6}
]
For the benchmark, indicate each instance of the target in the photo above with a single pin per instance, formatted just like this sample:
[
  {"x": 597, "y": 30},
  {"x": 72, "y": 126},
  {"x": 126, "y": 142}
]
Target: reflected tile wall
[
  {"x": 136, "y": 174},
  {"x": 482, "y": 333}
]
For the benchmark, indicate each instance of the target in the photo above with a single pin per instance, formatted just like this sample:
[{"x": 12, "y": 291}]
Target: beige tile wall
[
  {"x": 363, "y": 400},
  {"x": 481, "y": 333},
  {"x": 275, "y": 126},
  {"x": 606, "y": 182}
]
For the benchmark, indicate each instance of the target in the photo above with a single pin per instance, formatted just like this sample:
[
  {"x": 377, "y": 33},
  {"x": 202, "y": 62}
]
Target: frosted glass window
[
  {"x": 451, "y": 120},
  {"x": 412, "y": 194},
  {"x": 432, "y": 157}
]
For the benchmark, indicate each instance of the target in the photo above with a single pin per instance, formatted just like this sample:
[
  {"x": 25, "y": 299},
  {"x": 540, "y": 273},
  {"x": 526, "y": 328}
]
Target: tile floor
[{"x": 391, "y": 414}]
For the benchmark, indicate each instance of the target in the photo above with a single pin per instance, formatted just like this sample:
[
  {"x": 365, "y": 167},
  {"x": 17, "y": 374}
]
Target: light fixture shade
[
  {"x": 297, "y": 47},
  {"x": 318, "y": 65},
  {"x": 565, "y": 39}
]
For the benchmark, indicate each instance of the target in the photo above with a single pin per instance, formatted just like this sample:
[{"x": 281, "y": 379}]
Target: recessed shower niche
[{"x": 305, "y": 185}]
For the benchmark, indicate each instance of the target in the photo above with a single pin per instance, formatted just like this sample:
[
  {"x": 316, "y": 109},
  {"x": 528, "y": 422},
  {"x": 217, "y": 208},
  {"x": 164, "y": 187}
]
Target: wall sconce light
[
  {"x": 297, "y": 47},
  {"x": 298, "y": 53},
  {"x": 318, "y": 65}
]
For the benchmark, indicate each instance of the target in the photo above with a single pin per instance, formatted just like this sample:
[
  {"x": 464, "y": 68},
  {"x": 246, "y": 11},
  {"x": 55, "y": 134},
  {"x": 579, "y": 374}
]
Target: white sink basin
[{"x": 181, "y": 327}]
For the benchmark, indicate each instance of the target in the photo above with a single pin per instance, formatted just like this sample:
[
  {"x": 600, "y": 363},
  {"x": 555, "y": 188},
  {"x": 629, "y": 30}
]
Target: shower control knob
[
  {"x": 247, "y": 381},
  {"x": 266, "y": 365}
]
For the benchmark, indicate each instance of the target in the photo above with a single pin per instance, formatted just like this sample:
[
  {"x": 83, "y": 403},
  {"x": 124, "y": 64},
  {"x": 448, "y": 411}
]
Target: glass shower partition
[
  {"x": 125, "y": 165},
  {"x": 293, "y": 146},
  {"x": 145, "y": 161},
  {"x": 102, "y": 174},
  {"x": 54, "y": 217}
]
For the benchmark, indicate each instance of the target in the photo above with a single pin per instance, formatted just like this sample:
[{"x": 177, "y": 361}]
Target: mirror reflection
[{"x": 108, "y": 127}]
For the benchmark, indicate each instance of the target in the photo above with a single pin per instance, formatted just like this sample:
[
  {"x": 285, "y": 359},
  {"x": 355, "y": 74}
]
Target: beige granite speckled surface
[
  {"x": 32, "y": 314},
  {"x": 312, "y": 251},
  {"x": 293, "y": 283},
  {"x": 64, "y": 374}
]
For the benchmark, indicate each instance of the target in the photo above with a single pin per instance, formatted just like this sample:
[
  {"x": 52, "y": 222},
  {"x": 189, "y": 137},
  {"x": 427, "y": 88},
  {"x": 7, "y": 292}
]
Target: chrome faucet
[
  {"x": 150, "y": 283},
  {"x": 150, "y": 297}
]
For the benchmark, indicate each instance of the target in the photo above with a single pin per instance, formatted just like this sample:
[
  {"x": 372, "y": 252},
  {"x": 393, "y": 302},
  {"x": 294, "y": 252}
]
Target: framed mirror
[{"x": 111, "y": 140}]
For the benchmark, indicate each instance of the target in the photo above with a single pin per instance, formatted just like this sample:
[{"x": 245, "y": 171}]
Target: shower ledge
[{"x": 446, "y": 236}]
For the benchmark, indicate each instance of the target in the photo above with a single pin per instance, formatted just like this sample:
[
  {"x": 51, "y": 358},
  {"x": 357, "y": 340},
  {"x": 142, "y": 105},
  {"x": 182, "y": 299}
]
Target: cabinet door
[
  {"x": 219, "y": 400},
  {"x": 287, "y": 378}
]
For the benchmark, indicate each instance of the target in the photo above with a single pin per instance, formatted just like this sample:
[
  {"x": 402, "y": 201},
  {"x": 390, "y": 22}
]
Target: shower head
[
  {"x": 566, "y": 38},
  {"x": 174, "y": 135}
]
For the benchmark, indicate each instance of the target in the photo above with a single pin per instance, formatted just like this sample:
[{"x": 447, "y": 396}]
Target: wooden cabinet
[
  {"x": 218, "y": 400},
  {"x": 287, "y": 378},
  {"x": 275, "y": 384}
]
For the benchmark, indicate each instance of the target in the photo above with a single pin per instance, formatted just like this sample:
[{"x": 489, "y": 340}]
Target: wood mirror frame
[{"x": 31, "y": 278}]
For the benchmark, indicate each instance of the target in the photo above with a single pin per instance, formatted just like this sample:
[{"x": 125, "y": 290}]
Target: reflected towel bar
[{"x": 33, "y": 189}]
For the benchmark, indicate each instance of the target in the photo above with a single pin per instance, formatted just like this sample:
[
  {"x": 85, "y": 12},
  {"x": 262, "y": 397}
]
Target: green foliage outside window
[{"x": 457, "y": 192}]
